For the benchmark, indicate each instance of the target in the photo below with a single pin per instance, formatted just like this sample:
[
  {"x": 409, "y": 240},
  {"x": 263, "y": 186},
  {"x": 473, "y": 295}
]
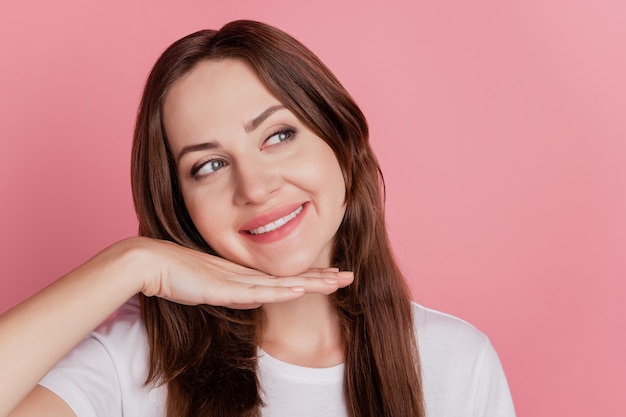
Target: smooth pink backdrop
[{"x": 500, "y": 126}]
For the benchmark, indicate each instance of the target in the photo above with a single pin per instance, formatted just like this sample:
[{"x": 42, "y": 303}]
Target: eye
[
  {"x": 208, "y": 167},
  {"x": 282, "y": 135}
]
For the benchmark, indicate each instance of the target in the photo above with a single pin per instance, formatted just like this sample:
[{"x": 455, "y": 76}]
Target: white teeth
[{"x": 276, "y": 224}]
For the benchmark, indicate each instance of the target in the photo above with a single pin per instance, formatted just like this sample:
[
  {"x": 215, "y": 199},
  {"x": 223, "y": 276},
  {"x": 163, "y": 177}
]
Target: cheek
[
  {"x": 204, "y": 213},
  {"x": 211, "y": 223},
  {"x": 325, "y": 163},
  {"x": 334, "y": 177},
  {"x": 325, "y": 180},
  {"x": 326, "y": 176}
]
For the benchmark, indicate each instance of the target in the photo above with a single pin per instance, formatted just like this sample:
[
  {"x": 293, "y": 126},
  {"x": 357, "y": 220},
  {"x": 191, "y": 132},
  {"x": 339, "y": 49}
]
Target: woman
[{"x": 265, "y": 278}]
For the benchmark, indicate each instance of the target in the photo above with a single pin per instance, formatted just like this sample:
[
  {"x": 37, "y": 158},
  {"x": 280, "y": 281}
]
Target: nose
[{"x": 255, "y": 182}]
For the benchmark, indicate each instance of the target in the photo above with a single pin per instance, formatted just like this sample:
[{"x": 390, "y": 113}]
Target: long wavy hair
[{"x": 207, "y": 355}]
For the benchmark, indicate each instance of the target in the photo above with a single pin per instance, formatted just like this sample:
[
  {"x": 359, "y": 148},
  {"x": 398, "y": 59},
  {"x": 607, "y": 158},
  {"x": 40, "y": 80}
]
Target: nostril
[{"x": 255, "y": 184}]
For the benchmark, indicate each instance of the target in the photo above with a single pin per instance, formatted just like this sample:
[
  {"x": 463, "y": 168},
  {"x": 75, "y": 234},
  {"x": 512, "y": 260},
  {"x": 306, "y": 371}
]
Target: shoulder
[
  {"x": 106, "y": 373},
  {"x": 437, "y": 330},
  {"x": 124, "y": 339},
  {"x": 123, "y": 330},
  {"x": 450, "y": 348},
  {"x": 462, "y": 373}
]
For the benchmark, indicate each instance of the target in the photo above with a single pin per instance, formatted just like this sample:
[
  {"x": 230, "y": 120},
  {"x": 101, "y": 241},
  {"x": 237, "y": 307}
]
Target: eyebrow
[
  {"x": 194, "y": 148},
  {"x": 256, "y": 122},
  {"x": 248, "y": 127}
]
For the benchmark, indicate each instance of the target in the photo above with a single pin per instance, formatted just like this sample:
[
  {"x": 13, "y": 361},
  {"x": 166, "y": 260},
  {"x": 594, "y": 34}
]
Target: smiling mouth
[{"x": 276, "y": 224}]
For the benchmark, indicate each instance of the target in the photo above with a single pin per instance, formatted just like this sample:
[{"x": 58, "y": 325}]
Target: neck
[{"x": 304, "y": 332}]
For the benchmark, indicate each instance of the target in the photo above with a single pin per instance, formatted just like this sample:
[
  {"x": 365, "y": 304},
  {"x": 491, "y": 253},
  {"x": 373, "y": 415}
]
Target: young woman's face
[{"x": 262, "y": 189}]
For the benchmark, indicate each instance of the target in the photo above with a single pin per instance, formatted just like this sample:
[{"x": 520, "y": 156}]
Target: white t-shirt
[{"x": 104, "y": 375}]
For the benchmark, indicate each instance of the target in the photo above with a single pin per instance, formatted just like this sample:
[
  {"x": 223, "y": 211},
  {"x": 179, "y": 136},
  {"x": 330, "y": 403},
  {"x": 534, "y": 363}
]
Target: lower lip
[{"x": 279, "y": 233}]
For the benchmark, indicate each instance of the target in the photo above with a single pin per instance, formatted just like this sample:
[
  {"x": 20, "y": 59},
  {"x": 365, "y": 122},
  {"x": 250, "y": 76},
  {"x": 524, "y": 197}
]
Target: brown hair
[{"x": 207, "y": 355}]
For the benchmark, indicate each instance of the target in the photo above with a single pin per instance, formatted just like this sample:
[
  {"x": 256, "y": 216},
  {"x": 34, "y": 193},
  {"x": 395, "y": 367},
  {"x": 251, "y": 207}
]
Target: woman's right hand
[{"x": 187, "y": 276}]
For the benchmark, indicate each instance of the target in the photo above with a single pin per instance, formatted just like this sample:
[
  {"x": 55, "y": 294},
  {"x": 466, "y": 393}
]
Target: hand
[{"x": 191, "y": 277}]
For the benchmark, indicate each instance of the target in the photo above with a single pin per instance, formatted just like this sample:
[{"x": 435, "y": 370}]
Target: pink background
[{"x": 500, "y": 126}]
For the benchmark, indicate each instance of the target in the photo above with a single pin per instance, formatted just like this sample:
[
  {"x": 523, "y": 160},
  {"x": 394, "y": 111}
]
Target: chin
[
  {"x": 285, "y": 270},
  {"x": 291, "y": 267}
]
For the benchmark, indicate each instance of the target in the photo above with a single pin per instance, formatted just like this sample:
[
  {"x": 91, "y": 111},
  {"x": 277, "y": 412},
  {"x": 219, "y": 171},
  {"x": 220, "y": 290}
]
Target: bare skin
[
  {"x": 304, "y": 332},
  {"x": 66, "y": 311}
]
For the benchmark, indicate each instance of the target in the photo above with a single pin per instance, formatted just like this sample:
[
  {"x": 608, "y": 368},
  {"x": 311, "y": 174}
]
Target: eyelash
[
  {"x": 289, "y": 132},
  {"x": 196, "y": 168}
]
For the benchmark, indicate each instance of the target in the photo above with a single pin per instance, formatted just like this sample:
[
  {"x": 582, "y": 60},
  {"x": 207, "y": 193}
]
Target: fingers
[
  {"x": 324, "y": 269},
  {"x": 330, "y": 275},
  {"x": 240, "y": 295},
  {"x": 191, "y": 277},
  {"x": 248, "y": 292},
  {"x": 324, "y": 282}
]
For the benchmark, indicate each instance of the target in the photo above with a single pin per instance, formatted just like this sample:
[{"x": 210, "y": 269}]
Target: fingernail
[
  {"x": 297, "y": 289},
  {"x": 332, "y": 269},
  {"x": 330, "y": 280},
  {"x": 345, "y": 274}
]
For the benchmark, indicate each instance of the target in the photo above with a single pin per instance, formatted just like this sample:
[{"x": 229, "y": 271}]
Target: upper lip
[{"x": 269, "y": 216}]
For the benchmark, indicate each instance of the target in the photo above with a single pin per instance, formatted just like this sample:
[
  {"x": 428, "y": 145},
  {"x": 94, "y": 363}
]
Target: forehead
[{"x": 213, "y": 97}]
